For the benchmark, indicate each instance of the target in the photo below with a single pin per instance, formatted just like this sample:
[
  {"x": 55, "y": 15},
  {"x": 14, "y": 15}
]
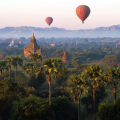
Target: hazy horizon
[
  {"x": 33, "y": 13},
  {"x": 60, "y": 27}
]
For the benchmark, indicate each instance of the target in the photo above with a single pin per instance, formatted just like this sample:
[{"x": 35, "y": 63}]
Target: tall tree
[
  {"x": 17, "y": 60},
  {"x": 113, "y": 77},
  {"x": 28, "y": 67},
  {"x": 78, "y": 87},
  {"x": 2, "y": 66},
  {"x": 93, "y": 74},
  {"x": 9, "y": 63},
  {"x": 35, "y": 58},
  {"x": 62, "y": 76},
  {"x": 50, "y": 67}
]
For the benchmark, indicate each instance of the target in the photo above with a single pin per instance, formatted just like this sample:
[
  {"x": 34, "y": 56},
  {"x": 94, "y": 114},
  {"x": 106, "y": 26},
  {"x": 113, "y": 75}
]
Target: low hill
[{"x": 26, "y": 31}]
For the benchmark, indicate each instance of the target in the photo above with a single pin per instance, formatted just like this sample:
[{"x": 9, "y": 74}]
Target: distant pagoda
[
  {"x": 32, "y": 48},
  {"x": 64, "y": 58}
]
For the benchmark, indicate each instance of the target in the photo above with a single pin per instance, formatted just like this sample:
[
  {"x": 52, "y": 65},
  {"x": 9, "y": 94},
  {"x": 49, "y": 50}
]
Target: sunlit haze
[{"x": 34, "y": 12}]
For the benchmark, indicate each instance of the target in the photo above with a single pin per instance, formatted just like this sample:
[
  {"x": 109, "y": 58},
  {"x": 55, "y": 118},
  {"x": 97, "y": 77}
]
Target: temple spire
[
  {"x": 32, "y": 47},
  {"x": 64, "y": 58},
  {"x": 33, "y": 38}
]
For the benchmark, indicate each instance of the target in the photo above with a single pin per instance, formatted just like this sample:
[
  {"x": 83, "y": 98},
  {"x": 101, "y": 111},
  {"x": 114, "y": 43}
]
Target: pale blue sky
[{"x": 34, "y": 12}]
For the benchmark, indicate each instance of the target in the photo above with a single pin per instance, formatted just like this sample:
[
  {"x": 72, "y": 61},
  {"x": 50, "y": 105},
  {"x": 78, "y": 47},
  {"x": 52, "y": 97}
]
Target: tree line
[{"x": 74, "y": 86}]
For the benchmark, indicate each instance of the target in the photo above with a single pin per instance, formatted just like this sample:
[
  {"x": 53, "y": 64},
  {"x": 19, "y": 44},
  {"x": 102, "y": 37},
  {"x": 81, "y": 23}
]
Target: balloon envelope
[
  {"x": 49, "y": 20},
  {"x": 83, "y": 12}
]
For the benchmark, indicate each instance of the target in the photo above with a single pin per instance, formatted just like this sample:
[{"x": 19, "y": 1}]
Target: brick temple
[
  {"x": 64, "y": 58},
  {"x": 32, "y": 48}
]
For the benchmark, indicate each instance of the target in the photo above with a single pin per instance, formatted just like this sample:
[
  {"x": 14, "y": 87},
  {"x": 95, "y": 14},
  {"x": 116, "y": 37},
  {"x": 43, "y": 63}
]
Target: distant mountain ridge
[{"x": 26, "y": 31}]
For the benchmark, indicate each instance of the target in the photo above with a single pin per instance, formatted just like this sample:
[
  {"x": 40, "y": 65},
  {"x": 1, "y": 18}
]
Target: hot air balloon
[
  {"x": 49, "y": 20},
  {"x": 83, "y": 12}
]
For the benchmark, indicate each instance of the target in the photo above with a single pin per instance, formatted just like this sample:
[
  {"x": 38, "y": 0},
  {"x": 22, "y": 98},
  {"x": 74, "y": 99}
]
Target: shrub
[
  {"x": 106, "y": 112},
  {"x": 32, "y": 108},
  {"x": 109, "y": 111}
]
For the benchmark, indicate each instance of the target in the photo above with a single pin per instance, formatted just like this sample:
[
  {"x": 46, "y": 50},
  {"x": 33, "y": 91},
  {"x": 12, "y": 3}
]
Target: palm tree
[
  {"x": 78, "y": 87},
  {"x": 50, "y": 67},
  {"x": 61, "y": 76},
  {"x": 28, "y": 67},
  {"x": 17, "y": 60},
  {"x": 9, "y": 63},
  {"x": 113, "y": 77},
  {"x": 2, "y": 66},
  {"x": 94, "y": 75},
  {"x": 35, "y": 58}
]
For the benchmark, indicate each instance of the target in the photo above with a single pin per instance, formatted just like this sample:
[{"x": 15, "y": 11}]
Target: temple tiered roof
[{"x": 32, "y": 47}]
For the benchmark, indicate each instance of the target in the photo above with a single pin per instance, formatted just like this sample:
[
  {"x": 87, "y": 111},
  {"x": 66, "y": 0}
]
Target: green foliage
[
  {"x": 50, "y": 66},
  {"x": 87, "y": 101},
  {"x": 77, "y": 86},
  {"x": 16, "y": 60},
  {"x": 91, "y": 55},
  {"x": 113, "y": 76},
  {"x": 93, "y": 74},
  {"x": 77, "y": 61},
  {"x": 9, "y": 92},
  {"x": 8, "y": 60},
  {"x": 61, "y": 77},
  {"x": 35, "y": 108},
  {"x": 109, "y": 111},
  {"x": 106, "y": 112},
  {"x": 9, "y": 88},
  {"x": 64, "y": 109},
  {"x": 60, "y": 92},
  {"x": 27, "y": 98},
  {"x": 111, "y": 60},
  {"x": 3, "y": 68},
  {"x": 36, "y": 81},
  {"x": 32, "y": 108},
  {"x": 55, "y": 69},
  {"x": 21, "y": 78},
  {"x": 6, "y": 107},
  {"x": 35, "y": 57},
  {"x": 28, "y": 67}
]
